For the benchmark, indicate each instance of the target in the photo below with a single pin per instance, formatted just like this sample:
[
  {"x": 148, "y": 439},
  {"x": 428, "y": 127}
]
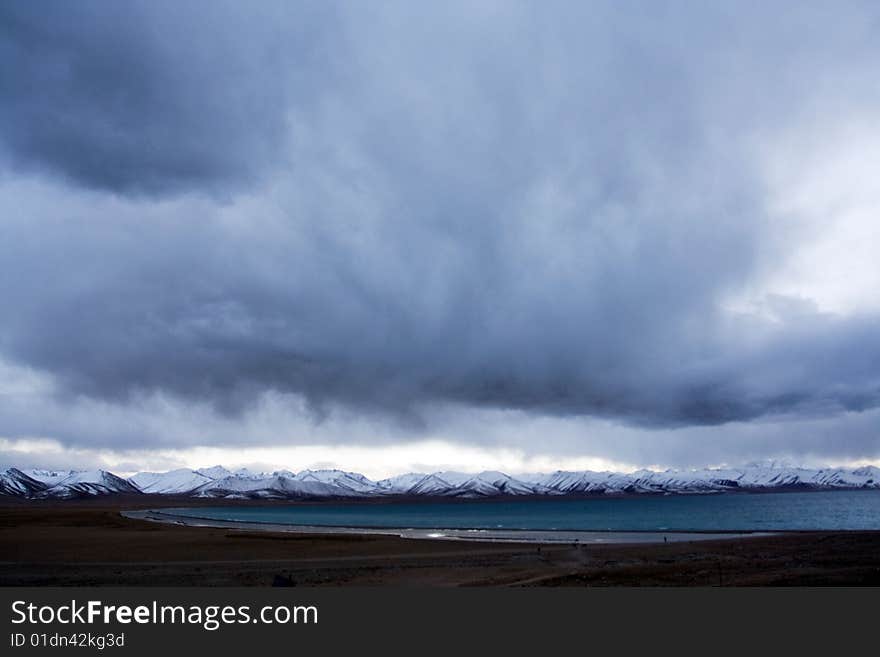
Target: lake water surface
[{"x": 702, "y": 513}]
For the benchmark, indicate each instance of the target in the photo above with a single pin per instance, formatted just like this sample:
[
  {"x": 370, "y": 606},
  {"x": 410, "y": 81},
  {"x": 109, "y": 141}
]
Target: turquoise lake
[{"x": 859, "y": 509}]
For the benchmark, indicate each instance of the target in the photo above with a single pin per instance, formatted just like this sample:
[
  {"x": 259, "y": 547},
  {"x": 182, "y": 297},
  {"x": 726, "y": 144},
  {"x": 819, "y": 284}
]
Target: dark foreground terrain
[{"x": 89, "y": 543}]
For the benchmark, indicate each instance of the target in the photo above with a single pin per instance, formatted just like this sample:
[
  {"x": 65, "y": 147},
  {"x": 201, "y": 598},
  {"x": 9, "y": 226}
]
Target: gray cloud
[
  {"x": 383, "y": 209},
  {"x": 151, "y": 97}
]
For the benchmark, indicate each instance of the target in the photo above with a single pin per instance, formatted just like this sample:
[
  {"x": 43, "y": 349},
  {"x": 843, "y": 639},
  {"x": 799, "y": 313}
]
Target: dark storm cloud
[
  {"x": 501, "y": 206},
  {"x": 150, "y": 97}
]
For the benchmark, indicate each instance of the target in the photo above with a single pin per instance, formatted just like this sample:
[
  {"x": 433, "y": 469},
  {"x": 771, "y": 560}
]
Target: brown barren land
[{"x": 88, "y": 543}]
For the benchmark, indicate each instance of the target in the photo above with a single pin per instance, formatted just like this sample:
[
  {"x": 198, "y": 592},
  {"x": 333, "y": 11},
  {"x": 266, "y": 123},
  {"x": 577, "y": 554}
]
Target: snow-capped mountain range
[{"x": 218, "y": 482}]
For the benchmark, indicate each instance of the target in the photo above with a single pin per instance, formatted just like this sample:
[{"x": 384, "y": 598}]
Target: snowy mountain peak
[
  {"x": 219, "y": 482},
  {"x": 214, "y": 472},
  {"x": 49, "y": 477},
  {"x": 16, "y": 483},
  {"x": 166, "y": 483},
  {"x": 88, "y": 483}
]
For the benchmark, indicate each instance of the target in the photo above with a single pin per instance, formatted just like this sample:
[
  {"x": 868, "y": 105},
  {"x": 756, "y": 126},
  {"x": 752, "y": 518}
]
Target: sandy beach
[{"x": 91, "y": 543}]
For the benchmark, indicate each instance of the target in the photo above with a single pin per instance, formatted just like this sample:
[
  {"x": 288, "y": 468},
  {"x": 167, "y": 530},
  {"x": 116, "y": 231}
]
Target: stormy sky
[{"x": 393, "y": 235}]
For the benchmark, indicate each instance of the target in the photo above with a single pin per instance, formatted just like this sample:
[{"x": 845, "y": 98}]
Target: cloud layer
[{"x": 384, "y": 211}]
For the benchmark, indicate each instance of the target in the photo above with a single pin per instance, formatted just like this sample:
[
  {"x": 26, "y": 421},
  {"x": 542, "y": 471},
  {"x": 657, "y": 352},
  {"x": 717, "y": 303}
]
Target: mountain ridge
[{"x": 220, "y": 483}]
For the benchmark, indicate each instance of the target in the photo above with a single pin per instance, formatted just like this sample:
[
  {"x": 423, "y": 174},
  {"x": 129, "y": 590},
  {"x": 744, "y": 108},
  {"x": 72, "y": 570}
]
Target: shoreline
[{"x": 528, "y": 536}]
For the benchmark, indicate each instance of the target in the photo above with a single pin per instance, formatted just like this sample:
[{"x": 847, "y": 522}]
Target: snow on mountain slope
[
  {"x": 869, "y": 472},
  {"x": 86, "y": 483},
  {"x": 352, "y": 481},
  {"x": 278, "y": 486},
  {"x": 490, "y": 483},
  {"x": 222, "y": 483},
  {"x": 16, "y": 483},
  {"x": 175, "y": 482},
  {"x": 754, "y": 478},
  {"x": 584, "y": 481},
  {"x": 48, "y": 477},
  {"x": 215, "y": 472},
  {"x": 432, "y": 484},
  {"x": 460, "y": 484},
  {"x": 401, "y": 483}
]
